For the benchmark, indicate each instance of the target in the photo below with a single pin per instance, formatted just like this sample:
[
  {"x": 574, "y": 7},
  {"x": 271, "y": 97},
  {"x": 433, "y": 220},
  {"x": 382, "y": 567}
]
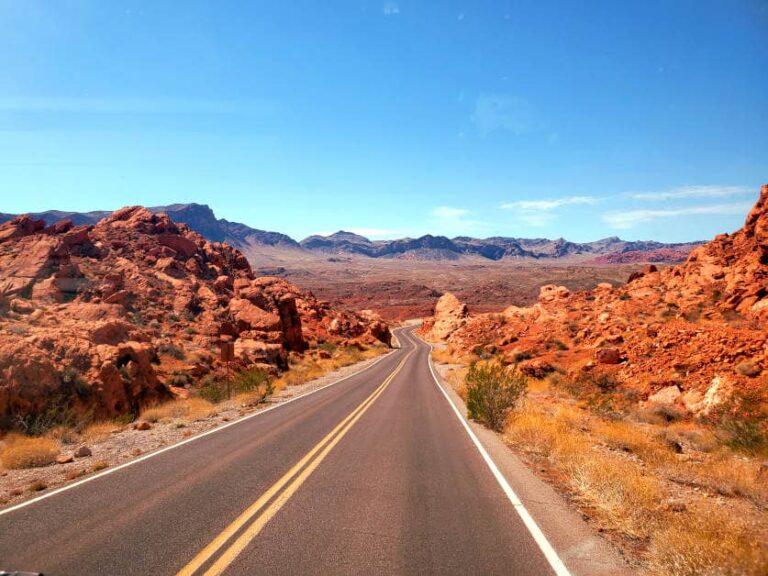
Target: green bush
[
  {"x": 493, "y": 390},
  {"x": 742, "y": 421},
  {"x": 215, "y": 390}
]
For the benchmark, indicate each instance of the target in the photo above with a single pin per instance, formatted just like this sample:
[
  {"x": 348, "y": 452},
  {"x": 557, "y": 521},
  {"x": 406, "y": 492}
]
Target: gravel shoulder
[{"x": 127, "y": 443}]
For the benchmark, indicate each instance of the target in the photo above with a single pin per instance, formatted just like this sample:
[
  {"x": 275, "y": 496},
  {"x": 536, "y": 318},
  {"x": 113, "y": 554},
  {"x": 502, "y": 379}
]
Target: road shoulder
[{"x": 582, "y": 550}]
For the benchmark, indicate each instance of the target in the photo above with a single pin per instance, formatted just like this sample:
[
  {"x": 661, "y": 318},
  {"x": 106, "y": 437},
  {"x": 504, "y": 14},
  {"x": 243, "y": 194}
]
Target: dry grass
[
  {"x": 622, "y": 472},
  {"x": 625, "y": 500},
  {"x": 707, "y": 541},
  {"x": 189, "y": 409},
  {"x": 98, "y": 432},
  {"x": 25, "y": 452},
  {"x": 730, "y": 476},
  {"x": 307, "y": 368}
]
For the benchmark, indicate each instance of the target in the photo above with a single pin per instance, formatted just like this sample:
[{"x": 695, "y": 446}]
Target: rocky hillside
[
  {"x": 199, "y": 217},
  {"x": 105, "y": 318},
  {"x": 687, "y": 336}
]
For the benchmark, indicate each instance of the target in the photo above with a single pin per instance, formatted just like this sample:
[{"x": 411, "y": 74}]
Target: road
[{"x": 372, "y": 475}]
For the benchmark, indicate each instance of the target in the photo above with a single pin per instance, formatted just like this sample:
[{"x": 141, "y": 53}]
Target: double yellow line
[{"x": 278, "y": 494}]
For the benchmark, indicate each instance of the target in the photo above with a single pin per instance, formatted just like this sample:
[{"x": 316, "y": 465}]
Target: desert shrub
[
  {"x": 23, "y": 452},
  {"x": 215, "y": 389},
  {"x": 98, "y": 432},
  {"x": 329, "y": 347},
  {"x": 186, "y": 409},
  {"x": 617, "y": 490},
  {"x": 742, "y": 421},
  {"x": 37, "y": 486},
  {"x": 522, "y": 356},
  {"x": 171, "y": 350},
  {"x": 493, "y": 390},
  {"x": 708, "y": 542}
]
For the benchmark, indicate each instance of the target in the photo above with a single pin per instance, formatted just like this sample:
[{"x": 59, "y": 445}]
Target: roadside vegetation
[
  {"x": 678, "y": 496},
  {"x": 210, "y": 397}
]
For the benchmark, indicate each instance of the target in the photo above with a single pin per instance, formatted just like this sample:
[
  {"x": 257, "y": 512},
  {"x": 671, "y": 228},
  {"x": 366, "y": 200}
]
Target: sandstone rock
[
  {"x": 64, "y": 458},
  {"x": 82, "y": 307},
  {"x": 450, "y": 315},
  {"x": 608, "y": 356},
  {"x": 667, "y": 395},
  {"x": 83, "y": 452}
]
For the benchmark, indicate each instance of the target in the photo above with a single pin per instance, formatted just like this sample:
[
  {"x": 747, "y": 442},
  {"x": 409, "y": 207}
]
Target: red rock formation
[
  {"x": 101, "y": 318},
  {"x": 450, "y": 315},
  {"x": 695, "y": 331}
]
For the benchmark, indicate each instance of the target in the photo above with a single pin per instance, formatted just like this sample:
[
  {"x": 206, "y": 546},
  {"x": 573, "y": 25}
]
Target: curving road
[{"x": 375, "y": 474}]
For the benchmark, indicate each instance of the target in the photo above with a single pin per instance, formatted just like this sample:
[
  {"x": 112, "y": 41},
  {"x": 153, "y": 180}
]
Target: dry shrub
[
  {"x": 635, "y": 439},
  {"x": 25, "y": 452},
  {"x": 444, "y": 356},
  {"x": 731, "y": 476},
  {"x": 707, "y": 542},
  {"x": 306, "y": 369},
  {"x": 189, "y": 409},
  {"x": 623, "y": 498},
  {"x": 98, "y": 432},
  {"x": 548, "y": 433}
]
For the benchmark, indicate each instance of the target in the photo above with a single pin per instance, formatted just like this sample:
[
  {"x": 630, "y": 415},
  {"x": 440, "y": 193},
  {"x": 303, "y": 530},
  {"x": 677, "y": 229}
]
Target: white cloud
[
  {"x": 502, "y": 112},
  {"x": 547, "y": 205},
  {"x": 542, "y": 212},
  {"x": 450, "y": 220},
  {"x": 692, "y": 192},
  {"x": 630, "y": 218},
  {"x": 449, "y": 213},
  {"x": 391, "y": 9}
]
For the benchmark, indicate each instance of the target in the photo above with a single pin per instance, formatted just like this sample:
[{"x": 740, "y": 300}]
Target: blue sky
[{"x": 526, "y": 118}]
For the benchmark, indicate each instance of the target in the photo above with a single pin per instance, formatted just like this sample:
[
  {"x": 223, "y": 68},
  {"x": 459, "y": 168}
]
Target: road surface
[{"x": 373, "y": 475}]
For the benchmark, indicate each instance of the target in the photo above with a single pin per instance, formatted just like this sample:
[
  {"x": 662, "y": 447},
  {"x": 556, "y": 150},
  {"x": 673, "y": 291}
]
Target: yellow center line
[{"x": 225, "y": 535}]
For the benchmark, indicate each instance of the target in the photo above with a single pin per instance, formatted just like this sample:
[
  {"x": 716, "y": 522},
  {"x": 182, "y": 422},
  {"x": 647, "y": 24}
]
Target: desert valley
[
  {"x": 653, "y": 355},
  {"x": 384, "y": 287}
]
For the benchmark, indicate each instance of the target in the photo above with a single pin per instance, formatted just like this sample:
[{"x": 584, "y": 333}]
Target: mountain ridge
[{"x": 202, "y": 219}]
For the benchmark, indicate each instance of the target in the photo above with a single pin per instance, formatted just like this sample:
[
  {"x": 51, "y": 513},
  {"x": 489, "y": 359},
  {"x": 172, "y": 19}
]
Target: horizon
[
  {"x": 392, "y": 119},
  {"x": 327, "y": 234}
]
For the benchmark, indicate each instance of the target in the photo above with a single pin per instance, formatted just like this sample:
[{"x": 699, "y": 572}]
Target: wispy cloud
[
  {"x": 449, "y": 213},
  {"x": 684, "y": 192},
  {"x": 391, "y": 9},
  {"x": 451, "y": 220},
  {"x": 631, "y": 218},
  {"x": 542, "y": 212},
  {"x": 546, "y": 205},
  {"x": 502, "y": 112}
]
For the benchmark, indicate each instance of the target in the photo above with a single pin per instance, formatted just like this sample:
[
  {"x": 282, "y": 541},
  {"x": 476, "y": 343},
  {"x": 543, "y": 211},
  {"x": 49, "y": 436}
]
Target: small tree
[{"x": 492, "y": 391}]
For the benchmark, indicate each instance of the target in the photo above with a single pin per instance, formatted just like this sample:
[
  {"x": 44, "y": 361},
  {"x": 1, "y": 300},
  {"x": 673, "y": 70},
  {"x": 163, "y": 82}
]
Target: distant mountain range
[{"x": 202, "y": 219}]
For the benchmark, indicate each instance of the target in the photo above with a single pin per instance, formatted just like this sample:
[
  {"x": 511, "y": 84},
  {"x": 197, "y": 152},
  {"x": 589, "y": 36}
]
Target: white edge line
[
  {"x": 549, "y": 552},
  {"x": 183, "y": 442}
]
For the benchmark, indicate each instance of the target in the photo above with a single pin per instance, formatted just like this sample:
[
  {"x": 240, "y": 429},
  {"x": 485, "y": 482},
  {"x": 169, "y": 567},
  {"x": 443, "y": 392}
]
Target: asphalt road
[{"x": 373, "y": 475}]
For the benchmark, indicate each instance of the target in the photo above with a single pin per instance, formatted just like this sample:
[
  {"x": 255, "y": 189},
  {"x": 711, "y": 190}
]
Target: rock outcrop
[
  {"x": 687, "y": 335},
  {"x": 450, "y": 315},
  {"x": 105, "y": 318}
]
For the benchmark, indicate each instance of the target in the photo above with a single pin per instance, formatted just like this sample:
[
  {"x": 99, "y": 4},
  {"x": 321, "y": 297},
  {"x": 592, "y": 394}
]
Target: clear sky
[{"x": 644, "y": 119}]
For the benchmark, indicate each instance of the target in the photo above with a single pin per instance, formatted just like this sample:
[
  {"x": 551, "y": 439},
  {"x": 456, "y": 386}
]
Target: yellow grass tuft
[
  {"x": 25, "y": 452},
  {"x": 706, "y": 541},
  {"x": 98, "y": 432},
  {"x": 188, "y": 409},
  {"x": 624, "y": 498}
]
